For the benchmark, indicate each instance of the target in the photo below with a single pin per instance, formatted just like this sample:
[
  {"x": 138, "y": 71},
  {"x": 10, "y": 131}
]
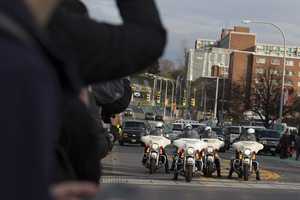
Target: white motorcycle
[
  {"x": 211, "y": 159},
  {"x": 188, "y": 162},
  {"x": 153, "y": 157},
  {"x": 244, "y": 163}
]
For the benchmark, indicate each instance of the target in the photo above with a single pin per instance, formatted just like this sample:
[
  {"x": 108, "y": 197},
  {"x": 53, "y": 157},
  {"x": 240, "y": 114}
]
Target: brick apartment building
[{"x": 247, "y": 57}]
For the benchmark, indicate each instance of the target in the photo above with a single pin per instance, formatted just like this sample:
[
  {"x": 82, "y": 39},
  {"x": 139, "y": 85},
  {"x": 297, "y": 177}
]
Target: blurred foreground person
[
  {"x": 101, "y": 52},
  {"x": 34, "y": 83}
]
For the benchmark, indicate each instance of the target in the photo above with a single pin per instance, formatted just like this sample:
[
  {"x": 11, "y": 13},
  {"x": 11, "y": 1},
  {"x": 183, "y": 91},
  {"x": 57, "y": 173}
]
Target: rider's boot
[
  {"x": 230, "y": 173},
  {"x": 219, "y": 172},
  {"x": 173, "y": 165},
  {"x": 167, "y": 167},
  {"x": 175, "y": 176},
  {"x": 257, "y": 175}
]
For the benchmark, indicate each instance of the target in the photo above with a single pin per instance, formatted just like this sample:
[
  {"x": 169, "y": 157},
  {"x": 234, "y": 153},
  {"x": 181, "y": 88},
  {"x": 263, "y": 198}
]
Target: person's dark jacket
[
  {"x": 284, "y": 141},
  {"x": 32, "y": 84},
  {"x": 104, "y": 52}
]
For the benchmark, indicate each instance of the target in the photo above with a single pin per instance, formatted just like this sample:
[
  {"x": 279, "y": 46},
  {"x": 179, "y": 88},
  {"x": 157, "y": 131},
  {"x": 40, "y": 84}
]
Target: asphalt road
[{"x": 124, "y": 177}]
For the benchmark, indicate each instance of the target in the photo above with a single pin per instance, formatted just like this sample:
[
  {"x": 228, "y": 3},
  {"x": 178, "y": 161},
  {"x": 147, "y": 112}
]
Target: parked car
[
  {"x": 149, "y": 115},
  {"x": 158, "y": 117},
  {"x": 221, "y": 136},
  {"x": 270, "y": 139},
  {"x": 128, "y": 112},
  {"x": 132, "y": 131}
]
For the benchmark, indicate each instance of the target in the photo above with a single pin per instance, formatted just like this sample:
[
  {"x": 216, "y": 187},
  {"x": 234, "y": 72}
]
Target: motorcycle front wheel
[
  {"x": 246, "y": 172},
  {"x": 209, "y": 169},
  {"x": 152, "y": 166},
  {"x": 188, "y": 173}
]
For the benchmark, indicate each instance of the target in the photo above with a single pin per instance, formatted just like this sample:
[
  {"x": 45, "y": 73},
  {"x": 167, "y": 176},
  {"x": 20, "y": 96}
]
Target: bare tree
[
  {"x": 260, "y": 92},
  {"x": 167, "y": 65},
  {"x": 182, "y": 56}
]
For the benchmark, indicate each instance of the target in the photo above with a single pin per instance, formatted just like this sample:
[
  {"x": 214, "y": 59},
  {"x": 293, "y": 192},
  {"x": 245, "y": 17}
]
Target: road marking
[
  {"x": 202, "y": 183},
  {"x": 133, "y": 115}
]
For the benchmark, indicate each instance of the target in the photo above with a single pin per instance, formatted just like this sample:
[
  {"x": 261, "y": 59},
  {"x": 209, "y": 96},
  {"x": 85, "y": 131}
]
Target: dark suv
[
  {"x": 270, "y": 140},
  {"x": 149, "y": 115},
  {"x": 132, "y": 130}
]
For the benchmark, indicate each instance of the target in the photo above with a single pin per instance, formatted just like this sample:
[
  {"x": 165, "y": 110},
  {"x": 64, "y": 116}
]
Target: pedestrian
[
  {"x": 284, "y": 144},
  {"x": 297, "y": 146},
  {"x": 35, "y": 81}
]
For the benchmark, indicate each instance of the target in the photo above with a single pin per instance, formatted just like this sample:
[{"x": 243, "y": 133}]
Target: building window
[
  {"x": 260, "y": 70},
  {"x": 260, "y": 60},
  {"x": 274, "y": 82},
  {"x": 226, "y": 71},
  {"x": 288, "y": 83},
  {"x": 259, "y": 80},
  {"x": 275, "y": 61},
  {"x": 289, "y": 63},
  {"x": 299, "y": 74},
  {"x": 274, "y": 71},
  {"x": 298, "y": 84},
  {"x": 258, "y": 90},
  {"x": 298, "y": 94},
  {"x": 289, "y": 73},
  {"x": 273, "y": 91}
]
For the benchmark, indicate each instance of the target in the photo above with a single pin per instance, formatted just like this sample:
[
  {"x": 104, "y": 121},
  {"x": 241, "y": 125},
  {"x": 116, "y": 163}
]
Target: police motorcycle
[
  {"x": 154, "y": 156},
  {"x": 244, "y": 163},
  {"x": 187, "y": 160},
  {"x": 210, "y": 157}
]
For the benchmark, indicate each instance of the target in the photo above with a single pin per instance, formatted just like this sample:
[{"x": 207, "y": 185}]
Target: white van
[
  {"x": 292, "y": 129},
  {"x": 234, "y": 132}
]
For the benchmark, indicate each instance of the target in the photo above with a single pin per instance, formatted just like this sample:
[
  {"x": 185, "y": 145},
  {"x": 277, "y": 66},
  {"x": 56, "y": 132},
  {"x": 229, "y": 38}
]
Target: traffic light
[
  {"x": 148, "y": 97},
  {"x": 161, "y": 106},
  {"x": 139, "y": 105},
  {"x": 183, "y": 101},
  {"x": 193, "y": 102},
  {"x": 158, "y": 98}
]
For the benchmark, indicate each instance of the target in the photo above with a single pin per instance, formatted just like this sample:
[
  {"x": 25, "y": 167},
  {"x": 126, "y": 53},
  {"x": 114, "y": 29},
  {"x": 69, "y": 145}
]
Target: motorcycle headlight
[
  {"x": 190, "y": 150},
  {"x": 247, "y": 152},
  {"x": 154, "y": 146},
  {"x": 167, "y": 136},
  {"x": 210, "y": 149}
]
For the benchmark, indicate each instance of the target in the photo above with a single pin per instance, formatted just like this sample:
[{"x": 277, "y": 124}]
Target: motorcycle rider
[
  {"x": 159, "y": 131},
  {"x": 210, "y": 134},
  {"x": 248, "y": 136},
  {"x": 187, "y": 133}
]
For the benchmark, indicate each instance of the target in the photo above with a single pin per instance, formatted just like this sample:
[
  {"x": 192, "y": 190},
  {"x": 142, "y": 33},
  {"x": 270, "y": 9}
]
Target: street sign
[
  {"x": 214, "y": 124},
  {"x": 279, "y": 128},
  {"x": 214, "y": 120},
  {"x": 222, "y": 120}
]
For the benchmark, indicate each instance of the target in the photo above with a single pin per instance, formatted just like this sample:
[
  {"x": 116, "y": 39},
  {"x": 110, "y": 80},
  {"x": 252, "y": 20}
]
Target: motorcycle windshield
[
  {"x": 192, "y": 134},
  {"x": 247, "y": 137},
  {"x": 209, "y": 135},
  {"x": 157, "y": 132}
]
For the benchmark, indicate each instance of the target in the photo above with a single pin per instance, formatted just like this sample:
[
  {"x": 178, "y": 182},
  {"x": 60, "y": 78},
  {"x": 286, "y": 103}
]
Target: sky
[{"x": 198, "y": 19}]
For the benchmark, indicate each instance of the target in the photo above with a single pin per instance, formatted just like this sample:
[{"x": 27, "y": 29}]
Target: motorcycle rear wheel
[
  {"x": 188, "y": 173},
  {"x": 152, "y": 166},
  {"x": 246, "y": 172},
  {"x": 209, "y": 169}
]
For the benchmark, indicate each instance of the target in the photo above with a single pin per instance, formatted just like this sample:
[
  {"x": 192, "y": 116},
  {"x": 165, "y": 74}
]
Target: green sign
[
  {"x": 214, "y": 124},
  {"x": 279, "y": 128},
  {"x": 222, "y": 120}
]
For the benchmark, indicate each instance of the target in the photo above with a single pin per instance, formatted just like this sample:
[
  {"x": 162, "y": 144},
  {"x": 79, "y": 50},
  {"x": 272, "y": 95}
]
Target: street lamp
[{"x": 283, "y": 67}]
